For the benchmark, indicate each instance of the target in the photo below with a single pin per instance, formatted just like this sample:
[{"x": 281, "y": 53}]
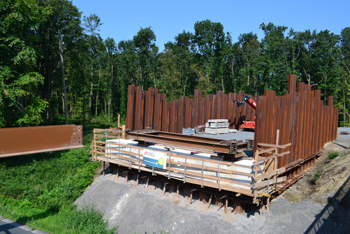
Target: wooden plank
[
  {"x": 211, "y": 177},
  {"x": 272, "y": 173},
  {"x": 275, "y": 146},
  {"x": 176, "y": 177},
  {"x": 264, "y": 183}
]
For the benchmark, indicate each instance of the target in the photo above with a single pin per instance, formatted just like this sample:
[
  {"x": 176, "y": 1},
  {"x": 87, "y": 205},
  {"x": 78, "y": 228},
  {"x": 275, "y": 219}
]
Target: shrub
[
  {"x": 317, "y": 175},
  {"x": 88, "y": 220},
  {"x": 333, "y": 155}
]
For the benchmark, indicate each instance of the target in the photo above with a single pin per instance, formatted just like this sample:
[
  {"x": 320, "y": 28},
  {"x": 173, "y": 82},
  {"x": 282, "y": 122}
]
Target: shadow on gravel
[{"x": 334, "y": 218}]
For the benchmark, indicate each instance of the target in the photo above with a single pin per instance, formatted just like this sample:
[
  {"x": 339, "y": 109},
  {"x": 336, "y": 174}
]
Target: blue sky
[{"x": 123, "y": 19}]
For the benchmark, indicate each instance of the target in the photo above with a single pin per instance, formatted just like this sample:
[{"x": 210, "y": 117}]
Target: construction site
[
  {"x": 290, "y": 133},
  {"x": 227, "y": 154}
]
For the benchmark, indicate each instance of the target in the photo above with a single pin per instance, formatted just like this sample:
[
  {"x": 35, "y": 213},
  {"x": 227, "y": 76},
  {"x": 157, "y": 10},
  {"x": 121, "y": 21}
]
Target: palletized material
[
  {"x": 216, "y": 130},
  {"x": 218, "y": 125}
]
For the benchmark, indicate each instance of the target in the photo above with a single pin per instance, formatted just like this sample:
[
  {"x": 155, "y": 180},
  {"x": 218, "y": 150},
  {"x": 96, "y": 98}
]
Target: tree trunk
[
  {"x": 110, "y": 92},
  {"x": 97, "y": 92},
  {"x": 90, "y": 96},
  {"x": 70, "y": 102},
  {"x": 344, "y": 106},
  {"x": 48, "y": 74},
  {"x": 222, "y": 84},
  {"x": 62, "y": 63}
]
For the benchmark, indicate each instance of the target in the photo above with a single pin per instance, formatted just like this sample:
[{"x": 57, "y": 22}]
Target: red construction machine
[{"x": 252, "y": 103}]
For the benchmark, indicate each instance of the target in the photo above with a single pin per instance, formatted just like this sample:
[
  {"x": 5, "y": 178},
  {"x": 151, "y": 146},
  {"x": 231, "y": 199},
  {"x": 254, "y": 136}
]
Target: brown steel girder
[
  {"x": 191, "y": 142},
  {"x": 31, "y": 140}
]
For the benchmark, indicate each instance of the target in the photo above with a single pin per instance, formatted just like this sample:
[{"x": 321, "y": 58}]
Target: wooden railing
[{"x": 257, "y": 176}]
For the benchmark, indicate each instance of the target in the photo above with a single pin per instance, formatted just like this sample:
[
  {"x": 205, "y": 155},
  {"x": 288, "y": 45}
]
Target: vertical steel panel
[{"x": 130, "y": 112}]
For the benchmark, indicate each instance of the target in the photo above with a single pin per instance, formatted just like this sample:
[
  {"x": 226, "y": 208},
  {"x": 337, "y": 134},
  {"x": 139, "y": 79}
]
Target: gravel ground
[
  {"x": 140, "y": 209},
  {"x": 343, "y": 138}
]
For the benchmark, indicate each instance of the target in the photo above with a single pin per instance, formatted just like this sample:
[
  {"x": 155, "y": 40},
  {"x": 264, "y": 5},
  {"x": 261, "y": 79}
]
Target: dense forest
[{"x": 54, "y": 64}]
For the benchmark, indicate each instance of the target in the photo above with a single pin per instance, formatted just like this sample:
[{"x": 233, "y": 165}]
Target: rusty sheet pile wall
[
  {"x": 302, "y": 119},
  {"x": 149, "y": 109}
]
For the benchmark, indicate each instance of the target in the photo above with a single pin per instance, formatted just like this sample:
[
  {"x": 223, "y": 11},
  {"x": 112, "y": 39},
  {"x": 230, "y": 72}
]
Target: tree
[
  {"x": 19, "y": 51},
  {"x": 210, "y": 41},
  {"x": 146, "y": 52}
]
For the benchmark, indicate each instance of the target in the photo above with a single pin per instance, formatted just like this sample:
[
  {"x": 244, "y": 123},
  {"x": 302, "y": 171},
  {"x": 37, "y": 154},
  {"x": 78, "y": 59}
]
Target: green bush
[
  {"x": 317, "y": 175},
  {"x": 89, "y": 221},
  {"x": 333, "y": 155}
]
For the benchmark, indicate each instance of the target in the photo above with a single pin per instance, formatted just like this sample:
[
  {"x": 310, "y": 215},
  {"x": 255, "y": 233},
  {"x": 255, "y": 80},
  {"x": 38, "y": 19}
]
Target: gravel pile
[{"x": 140, "y": 209}]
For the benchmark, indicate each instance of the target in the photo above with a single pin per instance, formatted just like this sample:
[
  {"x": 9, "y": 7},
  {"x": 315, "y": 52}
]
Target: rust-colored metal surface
[
  {"x": 148, "y": 109},
  {"x": 302, "y": 119},
  {"x": 300, "y": 115},
  {"x": 30, "y": 140},
  {"x": 192, "y": 142}
]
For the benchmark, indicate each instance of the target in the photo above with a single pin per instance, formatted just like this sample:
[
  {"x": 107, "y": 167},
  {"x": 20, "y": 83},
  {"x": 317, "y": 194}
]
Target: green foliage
[
  {"x": 33, "y": 112},
  {"x": 97, "y": 72},
  {"x": 39, "y": 190},
  {"x": 87, "y": 220},
  {"x": 333, "y": 155},
  {"x": 317, "y": 175}
]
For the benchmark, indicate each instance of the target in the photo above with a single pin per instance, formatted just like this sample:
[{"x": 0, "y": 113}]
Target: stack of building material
[{"x": 217, "y": 126}]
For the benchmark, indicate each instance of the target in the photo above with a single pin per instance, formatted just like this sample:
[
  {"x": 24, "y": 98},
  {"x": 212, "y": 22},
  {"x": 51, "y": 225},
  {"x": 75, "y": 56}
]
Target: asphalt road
[{"x": 8, "y": 226}]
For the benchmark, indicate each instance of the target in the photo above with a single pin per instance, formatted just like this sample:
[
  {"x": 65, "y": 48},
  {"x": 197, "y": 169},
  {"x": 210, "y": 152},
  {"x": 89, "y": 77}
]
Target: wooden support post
[
  {"x": 104, "y": 168},
  {"x": 255, "y": 173},
  {"x": 261, "y": 210},
  {"x": 268, "y": 204},
  {"x": 238, "y": 208},
  {"x": 226, "y": 204},
  {"x": 137, "y": 180},
  {"x": 126, "y": 175},
  {"x": 211, "y": 196},
  {"x": 191, "y": 195},
  {"x": 164, "y": 188},
  {"x": 123, "y": 131},
  {"x": 118, "y": 121},
  {"x": 177, "y": 192},
  {"x": 95, "y": 147}
]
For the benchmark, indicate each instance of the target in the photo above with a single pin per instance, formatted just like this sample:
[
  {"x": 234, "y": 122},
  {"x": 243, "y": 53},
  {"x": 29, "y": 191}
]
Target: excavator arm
[{"x": 246, "y": 99}]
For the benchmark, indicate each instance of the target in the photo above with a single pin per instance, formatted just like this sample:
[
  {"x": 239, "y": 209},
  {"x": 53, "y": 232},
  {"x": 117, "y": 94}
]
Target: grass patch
[
  {"x": 38, "y": 190},
  {"x": 317, "y": 175},
  {"x": 333, "y": 155}
]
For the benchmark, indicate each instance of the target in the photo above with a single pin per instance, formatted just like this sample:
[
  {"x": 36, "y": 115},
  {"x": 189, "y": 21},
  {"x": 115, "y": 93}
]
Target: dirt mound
[{"x": 324, "y": 179}]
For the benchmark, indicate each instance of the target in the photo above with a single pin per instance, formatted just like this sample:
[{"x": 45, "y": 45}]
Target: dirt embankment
[{"x": 324, "y": 179}]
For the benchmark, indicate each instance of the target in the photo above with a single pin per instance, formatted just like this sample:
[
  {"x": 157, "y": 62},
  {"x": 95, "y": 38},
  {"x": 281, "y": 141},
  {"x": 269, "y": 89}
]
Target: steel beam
[
  {"x": 190, "y": 142},
  {"x": 31, "y": 140}
]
